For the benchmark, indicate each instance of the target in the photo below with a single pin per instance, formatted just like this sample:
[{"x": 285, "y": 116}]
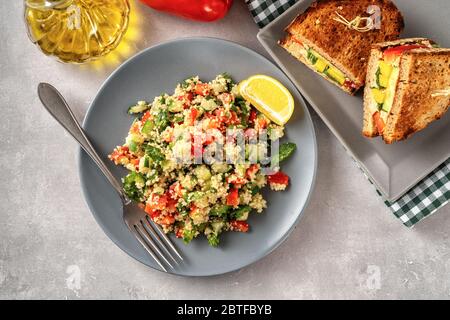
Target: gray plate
[
  {"x": 393, "y": 168},
  {"x": 159, "y": 69}
]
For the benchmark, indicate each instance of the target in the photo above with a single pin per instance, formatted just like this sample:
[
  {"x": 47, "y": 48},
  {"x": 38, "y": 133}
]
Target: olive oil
[{"x": 76, "y": 30}]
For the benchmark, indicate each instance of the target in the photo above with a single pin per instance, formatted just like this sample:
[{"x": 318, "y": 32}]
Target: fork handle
[{"x": 55, "y": 104}]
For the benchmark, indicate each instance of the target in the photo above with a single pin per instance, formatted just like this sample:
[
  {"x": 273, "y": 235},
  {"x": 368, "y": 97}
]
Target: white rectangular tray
[{"x": 393, "y": 168}]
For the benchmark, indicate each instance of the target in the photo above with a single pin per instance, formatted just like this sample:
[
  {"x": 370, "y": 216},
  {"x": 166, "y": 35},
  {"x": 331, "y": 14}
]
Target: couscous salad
[{"x": 169, "y": 136}]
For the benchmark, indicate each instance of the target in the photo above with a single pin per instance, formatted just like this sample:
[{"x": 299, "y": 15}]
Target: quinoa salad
[{"x": 188, "y": 197}]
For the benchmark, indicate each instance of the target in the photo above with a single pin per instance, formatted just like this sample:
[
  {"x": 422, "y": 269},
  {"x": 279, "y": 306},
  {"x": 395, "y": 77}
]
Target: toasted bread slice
[
  {"x": 369, "y": 127},
  {"x": 344, "y": 48},
  {"x": 295, "y": 48},
  {"x": 401, "y": 42},
  {"x": 422, "y": 73}
]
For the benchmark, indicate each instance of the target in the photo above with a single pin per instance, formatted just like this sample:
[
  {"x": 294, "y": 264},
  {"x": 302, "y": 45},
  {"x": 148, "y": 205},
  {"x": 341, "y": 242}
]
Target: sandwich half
[
  {"x": 336, "y": 51},
  {"x": 408, "y": 87}
]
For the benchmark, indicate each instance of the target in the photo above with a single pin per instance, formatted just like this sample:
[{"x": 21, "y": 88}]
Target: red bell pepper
[
  {"x": 400, "y": 49},
  {"x": 233, "y": 198},
  {"x": 240, "y": 226},
  {"x": 200, "y": 10},
  {"x": 379, "y": 122},
  {"x": 390, "y": 54},
  {"x": 279, "y": 178}
]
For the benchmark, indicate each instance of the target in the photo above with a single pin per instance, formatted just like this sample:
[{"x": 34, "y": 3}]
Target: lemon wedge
[{"x": 269, "y": 96}]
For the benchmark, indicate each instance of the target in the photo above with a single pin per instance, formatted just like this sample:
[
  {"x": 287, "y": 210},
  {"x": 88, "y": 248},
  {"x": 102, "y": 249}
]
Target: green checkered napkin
[{"x": 427, "y": 196}]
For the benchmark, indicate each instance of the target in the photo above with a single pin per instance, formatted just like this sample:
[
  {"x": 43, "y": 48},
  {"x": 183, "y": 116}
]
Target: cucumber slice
[
  {"x": 312, "y": 57},
  {"x": 384, "y": 108},
  {"x": 141, "y": 106},
  {"x": 202, "y": 173},
  {"x": 217, "y": 226},
  {"x": 147, "y": 127},
  {"x": 133, "y": 146}
]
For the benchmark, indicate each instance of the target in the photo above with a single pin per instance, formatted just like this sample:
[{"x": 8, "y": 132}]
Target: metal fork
[{"x": 149, "y": 235}]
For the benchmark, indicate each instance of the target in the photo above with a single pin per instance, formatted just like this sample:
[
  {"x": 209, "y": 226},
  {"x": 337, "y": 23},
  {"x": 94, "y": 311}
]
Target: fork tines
[{"x": 155, "y": 241}]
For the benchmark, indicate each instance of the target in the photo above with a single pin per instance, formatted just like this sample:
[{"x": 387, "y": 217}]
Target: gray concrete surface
[{"x": 348, "y": 245}]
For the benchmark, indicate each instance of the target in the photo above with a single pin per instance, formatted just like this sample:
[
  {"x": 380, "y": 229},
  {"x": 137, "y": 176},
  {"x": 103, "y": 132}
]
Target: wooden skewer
[{"x": 355, "y": 23}]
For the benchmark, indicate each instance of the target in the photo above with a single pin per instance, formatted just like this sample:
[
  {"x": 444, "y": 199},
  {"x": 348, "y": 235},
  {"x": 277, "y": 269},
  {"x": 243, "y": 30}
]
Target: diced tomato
[
  {"x": 236, "y": 181},
  {"x": 279, "y": 178},
  {"x": 251, "y": 171},
  {"x": 114, "y": 156},
  {"x": 179, "y": 233},
  {"x": 157, "y": 202},
  {"x": 252, "y": 116},
  {"x": 262, "y": 122},
  {"x": 240, "y": 226},
  {"x": 187, "y": 99},
  {"x": 152, "y": 212},
  {"x": 193, "y": 210},
  {"x": 171, "y": 205},
  {"x": 175, "y": 191},
  {"x": 202, "y": 89},
  {"x": 134, "y": 128},
  {"x": 167, "y": 220},
  {"x": 192, "y": 115},
  {"x": 146, "y": 117},
  {"x": 379, "y": 122},
  {"x": 119, "y": 155},
  {"x": 208, "y": 139},
  {"x": 189, "y": 96},
  {"x": 233, "y": 198},
  {"x": 226, "y": 117},
  {"x": 213, "y": 123},
  {"x": 135, "y": 162}
]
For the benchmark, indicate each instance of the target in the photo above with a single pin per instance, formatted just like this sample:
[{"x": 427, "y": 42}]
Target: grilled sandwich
[
  {"x": 408, "y": 87},
  {"x": 322, "y": 39}
]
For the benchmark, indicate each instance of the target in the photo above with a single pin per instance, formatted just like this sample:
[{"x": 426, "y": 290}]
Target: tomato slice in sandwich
[
  {"x": 379, "y": 122},
  {"x": 392, "y": 53}
]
